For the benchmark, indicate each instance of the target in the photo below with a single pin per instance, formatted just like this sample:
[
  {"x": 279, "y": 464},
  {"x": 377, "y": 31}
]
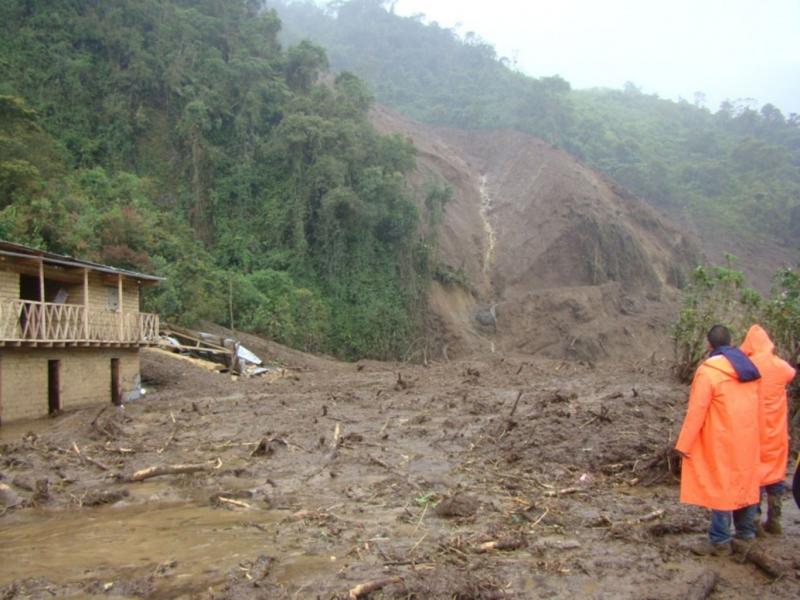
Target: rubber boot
[
  {"x": 760, "y": 532},
  {"x": 774, "y": 509},
  {"x": 706, "y": 548}
]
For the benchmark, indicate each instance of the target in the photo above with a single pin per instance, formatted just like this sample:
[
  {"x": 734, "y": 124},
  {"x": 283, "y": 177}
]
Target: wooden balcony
[{"x": 31, "y": 323}]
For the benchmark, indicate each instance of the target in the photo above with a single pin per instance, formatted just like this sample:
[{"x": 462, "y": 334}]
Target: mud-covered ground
[{"x": 497, "y": 478}]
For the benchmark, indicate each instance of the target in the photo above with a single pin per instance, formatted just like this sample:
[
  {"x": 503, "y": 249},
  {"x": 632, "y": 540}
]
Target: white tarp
[{"x": 247, "y": 356}]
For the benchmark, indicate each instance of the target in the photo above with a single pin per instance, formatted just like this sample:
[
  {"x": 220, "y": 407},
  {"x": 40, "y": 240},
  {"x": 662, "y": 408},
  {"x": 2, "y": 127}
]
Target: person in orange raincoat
[
  {"x": 776, "y": 374},
  {"x": 719, "y": 443}
]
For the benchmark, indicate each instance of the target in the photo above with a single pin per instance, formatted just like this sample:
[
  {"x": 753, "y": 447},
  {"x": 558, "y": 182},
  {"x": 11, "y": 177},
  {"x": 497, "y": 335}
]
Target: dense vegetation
[
  {"x": 721, "y": 295},
  {"x": 737, "y": 169},
  {"x": 179, "y": 137}
]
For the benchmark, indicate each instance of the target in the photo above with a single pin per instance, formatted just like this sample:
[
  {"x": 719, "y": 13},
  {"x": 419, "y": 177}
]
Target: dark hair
[{"x": 719, "y": 335}]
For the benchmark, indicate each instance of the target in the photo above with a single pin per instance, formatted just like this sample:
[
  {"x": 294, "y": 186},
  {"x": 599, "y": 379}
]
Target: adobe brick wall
[{"x": 85, "y": 377}]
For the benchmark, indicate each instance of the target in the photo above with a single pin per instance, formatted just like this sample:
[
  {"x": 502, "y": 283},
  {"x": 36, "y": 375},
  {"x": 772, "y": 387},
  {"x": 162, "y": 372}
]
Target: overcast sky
[{"x": 674, "y": 48}]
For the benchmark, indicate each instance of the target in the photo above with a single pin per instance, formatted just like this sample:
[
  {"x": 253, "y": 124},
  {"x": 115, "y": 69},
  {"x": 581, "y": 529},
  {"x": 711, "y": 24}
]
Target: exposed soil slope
[{"x": 575, "y": 264}]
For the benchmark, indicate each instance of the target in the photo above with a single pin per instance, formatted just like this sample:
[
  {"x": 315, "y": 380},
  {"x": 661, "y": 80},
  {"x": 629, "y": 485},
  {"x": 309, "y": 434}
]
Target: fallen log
[
  {"x": 363, "y": 589},
  {"x": 702, "y": 587},
  {"x": 158, "y": 470},
  {"x": 752, "y": 553}
]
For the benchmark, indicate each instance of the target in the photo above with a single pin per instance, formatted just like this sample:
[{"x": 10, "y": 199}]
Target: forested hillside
[
  {"x": 732, "y": 174},
  {"x": 178, "y": 137}
]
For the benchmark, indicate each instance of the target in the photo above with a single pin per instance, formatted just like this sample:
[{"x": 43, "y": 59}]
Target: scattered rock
[{"x": 8, "y": 497}]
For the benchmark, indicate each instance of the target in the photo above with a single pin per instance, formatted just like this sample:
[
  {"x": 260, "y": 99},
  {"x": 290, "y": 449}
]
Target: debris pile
[{"x": 214, "y": 352}]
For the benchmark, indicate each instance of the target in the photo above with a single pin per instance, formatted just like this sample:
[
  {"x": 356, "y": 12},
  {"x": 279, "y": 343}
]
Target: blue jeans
[
  {"x": 743, "y": 521},
  {"x": 774, "y": 489}
]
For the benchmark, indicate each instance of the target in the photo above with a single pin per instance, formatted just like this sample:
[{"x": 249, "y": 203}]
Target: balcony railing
[{"x": 26, "y": 321}]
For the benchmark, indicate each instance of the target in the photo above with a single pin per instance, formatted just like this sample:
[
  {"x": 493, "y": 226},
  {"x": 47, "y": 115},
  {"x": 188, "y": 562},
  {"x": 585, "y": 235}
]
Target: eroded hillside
[{"x": 572, "y": 264}]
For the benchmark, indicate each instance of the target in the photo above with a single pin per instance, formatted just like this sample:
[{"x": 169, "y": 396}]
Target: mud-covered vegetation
[
  {"x": 180, "y": 138},
  {"x": 721, "y": 295}
]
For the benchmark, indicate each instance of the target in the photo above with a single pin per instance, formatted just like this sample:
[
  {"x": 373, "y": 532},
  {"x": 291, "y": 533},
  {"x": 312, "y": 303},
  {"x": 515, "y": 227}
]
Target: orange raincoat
[
  {"x": 776, "y": 374},
  {"x": 720, "y": 435}
]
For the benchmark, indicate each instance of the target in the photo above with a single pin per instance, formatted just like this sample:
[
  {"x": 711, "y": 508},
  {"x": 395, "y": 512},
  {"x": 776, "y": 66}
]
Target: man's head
[{"x": 718, "y": 336}]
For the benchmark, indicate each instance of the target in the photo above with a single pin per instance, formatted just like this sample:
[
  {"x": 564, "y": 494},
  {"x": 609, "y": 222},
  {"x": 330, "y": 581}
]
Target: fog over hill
[{"x": 731, "y": 176}]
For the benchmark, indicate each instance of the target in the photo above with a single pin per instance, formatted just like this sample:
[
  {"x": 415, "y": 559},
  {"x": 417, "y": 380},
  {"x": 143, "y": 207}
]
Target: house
[{"x": 70, "y": 332}]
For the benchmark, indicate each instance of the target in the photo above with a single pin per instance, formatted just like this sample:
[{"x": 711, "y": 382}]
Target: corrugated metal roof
[{"x": 18, "y": 250}]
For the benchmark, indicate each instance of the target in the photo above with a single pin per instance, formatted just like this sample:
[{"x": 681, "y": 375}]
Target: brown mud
[{"x": 508, "y": 477}]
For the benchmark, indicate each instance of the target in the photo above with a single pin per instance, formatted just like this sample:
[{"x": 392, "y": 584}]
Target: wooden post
[
  {"x": 119, "y": 308},
  {"x": 42, "y": 326},
  {"x": 86, "y": 304}
]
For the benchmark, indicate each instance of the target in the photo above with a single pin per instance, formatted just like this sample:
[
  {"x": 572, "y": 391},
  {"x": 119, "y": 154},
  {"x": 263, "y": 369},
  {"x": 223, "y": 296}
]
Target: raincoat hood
[
  {"x": 757, "y": 341},
  {"x": 743, "y": 368}
]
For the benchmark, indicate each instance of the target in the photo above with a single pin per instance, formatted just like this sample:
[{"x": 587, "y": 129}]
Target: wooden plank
[
  {"x": 121, "y": 324},
  {"x": 41, "y": 298},
  {"x": 173, "y": 333},
  {"x": 204, "y": 364},
  {"x": 86, "y": 304},
  {"x": 195, "y": 348}
]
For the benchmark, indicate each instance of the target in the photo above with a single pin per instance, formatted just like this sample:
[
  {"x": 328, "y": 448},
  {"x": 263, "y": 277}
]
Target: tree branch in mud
[
  {"x": 88, "y": 459},
  {"x": 158, "y": 470},
  {"x": 220, "y": 500},
  {"x": 659, "y": 466},
  {"x": 363, "y": 589},
  {"x": 171, "y": 435},
  {"x": 514, "y": 408}
]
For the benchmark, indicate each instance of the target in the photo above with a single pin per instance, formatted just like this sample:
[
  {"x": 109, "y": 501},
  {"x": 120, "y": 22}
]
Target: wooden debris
[
  {"x": 505, "y": 544},
  {"x": 88, "y": 459},
  {"x": 563, "y": 491},
  {"x": 363, "y": 589},
  {"x": 232, "y": 502},
  {"x": 702, "y": 587},
  {"x": 379, "y": 462},
  {"x": 97, "y": 416},
  {"x": 158, "y": 470},
  {"x": 601, "y": 416},
  {"x": 172, "y": 435},
  {"x": 514, "y": 408},
  {"x": 198, "y": 362},
  {"x": 750, "y": 551},
  {"x": 651, "y": 516}
]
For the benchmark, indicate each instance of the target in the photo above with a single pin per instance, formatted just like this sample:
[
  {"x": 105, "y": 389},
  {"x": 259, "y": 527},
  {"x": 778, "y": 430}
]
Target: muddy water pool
[{"x": 194, "y": 542}]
